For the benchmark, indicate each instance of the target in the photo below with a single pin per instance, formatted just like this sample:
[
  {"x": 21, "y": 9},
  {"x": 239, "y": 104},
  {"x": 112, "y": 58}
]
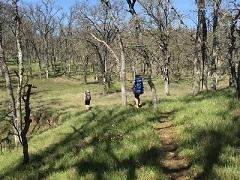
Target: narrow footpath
[{"x": 175, "y": 166}]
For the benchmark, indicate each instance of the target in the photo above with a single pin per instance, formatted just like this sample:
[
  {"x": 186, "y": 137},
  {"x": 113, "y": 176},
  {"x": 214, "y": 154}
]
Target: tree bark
[
  {"x": 45, "y": 56},
  {"x": 213, "y": 69},
  {"x": 8, "y": 81},
  {"x": 27, "y": 122},
  {"x": 166, "y": 71},
  {"x": 203, "y": 35},
  {"x": 150, "y": 82},
  {"x": 123, "y": 72},
  {"x": 200, "y": 50},
  {"x": 231, "y": 55},
  {"x": 133, "y": 69},
  {"x": 85, "y": 69},
  {"x": 18, "y": 123}
]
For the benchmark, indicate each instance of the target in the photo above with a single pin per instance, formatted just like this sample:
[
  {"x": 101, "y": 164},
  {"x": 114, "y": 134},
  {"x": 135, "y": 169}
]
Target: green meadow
[{"x": 112, "y": 142}]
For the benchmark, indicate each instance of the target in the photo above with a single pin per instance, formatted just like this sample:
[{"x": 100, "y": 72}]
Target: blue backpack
[{"x": 138, "y": 85}]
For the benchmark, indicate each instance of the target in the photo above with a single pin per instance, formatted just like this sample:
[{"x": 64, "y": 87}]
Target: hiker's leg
[
  {"x": 87, "y": 104},
  {"x": 137, "y": 100}
]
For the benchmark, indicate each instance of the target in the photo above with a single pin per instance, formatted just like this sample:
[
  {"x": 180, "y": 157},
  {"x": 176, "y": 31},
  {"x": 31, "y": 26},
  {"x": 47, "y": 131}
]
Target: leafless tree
[
  {"x": 44, "y": 18},
  {"x": 200, "y": 50},
  {"x": 160, "y": 12},
  {"x": 213, "y": 65},
  {"x": 20, "y": 126}
]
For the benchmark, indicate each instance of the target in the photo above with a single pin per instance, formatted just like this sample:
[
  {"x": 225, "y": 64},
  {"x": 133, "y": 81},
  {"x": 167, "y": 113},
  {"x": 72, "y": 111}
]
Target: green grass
[
  {"x": 111, "y": 142},
  {"x": 209, "y": 133},
  {"x": 101, "y": 143}
]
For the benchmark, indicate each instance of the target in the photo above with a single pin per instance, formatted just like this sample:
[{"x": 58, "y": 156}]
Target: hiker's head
[{"x": 137, "y": 75}]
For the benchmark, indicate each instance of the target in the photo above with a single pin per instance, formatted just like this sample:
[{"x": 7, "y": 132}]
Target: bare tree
[
  {"x": 235, "y": 74},
  {"x": 104, "y": 30},
  {"x": 18, "y": 36},
  {"x": 160, "y": 12},
  {"x": 15, "y": 104},
  {"x": 9, "y": 87},
  {"x": 122, "y": 61},
  {"x": 213, "y": 66},
  {"x": 200, "y": 50},
  {"x": 44, "y": 18},
  {"x": 142, "y": 50}
]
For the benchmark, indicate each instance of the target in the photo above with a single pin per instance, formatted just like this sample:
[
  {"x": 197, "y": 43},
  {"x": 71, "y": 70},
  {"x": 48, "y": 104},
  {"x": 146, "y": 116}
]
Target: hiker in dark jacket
[
  {"x": 137, "y": 89},
  {"x": 87, "y": 99}
]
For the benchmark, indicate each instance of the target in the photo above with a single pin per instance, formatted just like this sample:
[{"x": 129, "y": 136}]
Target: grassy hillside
[{"x": 110, "y": 142}]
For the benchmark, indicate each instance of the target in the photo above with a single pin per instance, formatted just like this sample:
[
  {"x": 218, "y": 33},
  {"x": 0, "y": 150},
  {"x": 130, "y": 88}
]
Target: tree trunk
[
  {"x": 133, "y": 68},
  {"x": 28, "y": 57},
  {"x": 105, "y": 77},
  {"x": 203, "y": 34},
  {"x": 166, "y": 68},
  {"x": 196, "y": 74},
  {"x": 200, "y": 50},
  {"x": 197, "y": 64},
  {"x": 25, "y": 149},
  {"x": 235, "y": 76},
  {"x": 12, "y": 105},
  {"x": 18, "y": 122},
  {"x": 1, "y": 71},
  {"x": 45, "y": 57},
  {"x": 213, "y": 69},
  {"x": 238, "y": 82},
  {"x": 38, "y": 58},
  {"x": 27, "y": 122},
  {"x": 85, "y": 69},
  {"x": 122, "y": 72},
  {"x": 150, "y": 82}
]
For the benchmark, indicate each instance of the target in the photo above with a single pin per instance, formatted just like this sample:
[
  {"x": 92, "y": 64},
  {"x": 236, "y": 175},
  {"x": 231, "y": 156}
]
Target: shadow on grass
[
  {"x": 211, "y": 140},
  {"x": 103, "y": 130},
  {"x": 213, "y": 143}
]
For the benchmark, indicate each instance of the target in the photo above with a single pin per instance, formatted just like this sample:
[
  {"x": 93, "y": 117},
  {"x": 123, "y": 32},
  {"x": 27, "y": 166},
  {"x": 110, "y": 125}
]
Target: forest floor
[{"x": 186, "y": 137}]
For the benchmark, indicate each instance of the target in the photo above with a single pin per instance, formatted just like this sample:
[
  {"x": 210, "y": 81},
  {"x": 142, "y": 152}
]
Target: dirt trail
[{"x": 175, "y": 166}]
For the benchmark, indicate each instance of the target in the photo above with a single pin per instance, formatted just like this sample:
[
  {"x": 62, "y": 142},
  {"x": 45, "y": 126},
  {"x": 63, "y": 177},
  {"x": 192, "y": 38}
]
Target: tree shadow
[
  {"x": 213, "y": 144},
  {"x": 97, "y": 132}
]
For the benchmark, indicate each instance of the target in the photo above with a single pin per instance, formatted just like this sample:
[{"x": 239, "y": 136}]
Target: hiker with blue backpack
[{"x": 138, "y": 89}]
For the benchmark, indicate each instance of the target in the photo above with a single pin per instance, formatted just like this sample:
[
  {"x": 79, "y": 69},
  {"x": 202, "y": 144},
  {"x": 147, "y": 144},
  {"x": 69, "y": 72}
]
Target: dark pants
[
  {"x": 87, "y": 102},
  {"x": 136, "y": 95}
]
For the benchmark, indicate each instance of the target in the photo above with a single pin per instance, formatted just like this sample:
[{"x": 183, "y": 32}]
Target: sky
[{"x": 185, "y": 7}]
